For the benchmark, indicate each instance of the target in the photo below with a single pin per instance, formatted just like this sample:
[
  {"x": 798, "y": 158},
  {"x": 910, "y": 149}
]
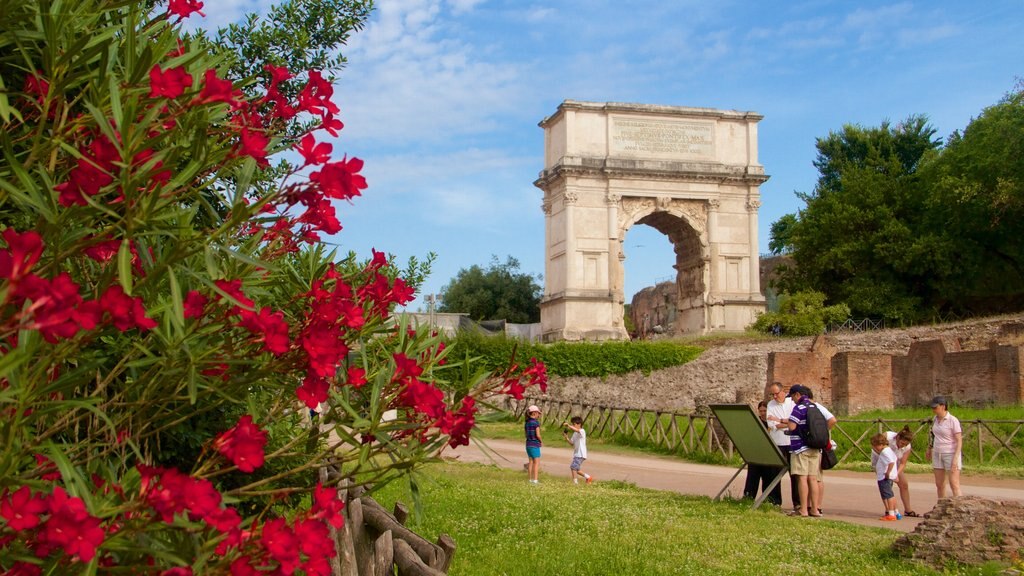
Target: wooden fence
[{"x": 986, "y": 442}]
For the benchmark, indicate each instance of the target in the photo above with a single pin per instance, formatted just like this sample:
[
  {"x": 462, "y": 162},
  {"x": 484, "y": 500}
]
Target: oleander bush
[{"x": 168, "y": 314}]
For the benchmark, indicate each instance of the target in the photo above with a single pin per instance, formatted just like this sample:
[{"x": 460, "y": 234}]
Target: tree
[
  {"x": 977, "y": 204},
  {"x": 782, "y": 234},
  {"x": 857, "y": 239},
  {"x": 498, "y": 292}
]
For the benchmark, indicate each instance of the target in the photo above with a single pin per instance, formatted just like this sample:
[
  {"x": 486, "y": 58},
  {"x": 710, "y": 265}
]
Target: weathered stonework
[
  {"x": 690, "y": 173},
  {"x": 966, "y": 530},
  {"x": 855, "y": 381}
]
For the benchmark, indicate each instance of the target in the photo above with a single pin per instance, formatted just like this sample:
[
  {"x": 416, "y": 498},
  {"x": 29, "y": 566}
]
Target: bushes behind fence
[{"x": 591, "y": 359}]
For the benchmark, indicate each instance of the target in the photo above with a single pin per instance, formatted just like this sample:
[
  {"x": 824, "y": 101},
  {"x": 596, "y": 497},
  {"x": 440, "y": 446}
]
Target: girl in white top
[
  {"x": 945, "y": 449},
  {"x": 902, "y": 445}
]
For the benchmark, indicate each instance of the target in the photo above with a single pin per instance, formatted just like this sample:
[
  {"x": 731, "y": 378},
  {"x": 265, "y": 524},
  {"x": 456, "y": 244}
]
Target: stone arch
[
  {"x": 684, "y": 223},
  {"x": 691, "y": 173}
]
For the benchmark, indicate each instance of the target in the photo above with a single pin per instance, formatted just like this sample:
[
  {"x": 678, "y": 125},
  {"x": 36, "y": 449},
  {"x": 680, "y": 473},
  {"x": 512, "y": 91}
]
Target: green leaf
[
  {"x": 177, "y": 304},
  {"x": 124, "y": 266}
]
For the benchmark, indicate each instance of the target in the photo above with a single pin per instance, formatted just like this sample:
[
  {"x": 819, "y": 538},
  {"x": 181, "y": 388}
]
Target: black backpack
[{"x": 817, "y": 434}]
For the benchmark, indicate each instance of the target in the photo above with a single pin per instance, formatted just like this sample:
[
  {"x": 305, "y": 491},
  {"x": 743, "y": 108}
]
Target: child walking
[
  {"x": 533, "y": 442},
  {"x": 579, "y": 449},
  {"x": 883, "y": 460}
]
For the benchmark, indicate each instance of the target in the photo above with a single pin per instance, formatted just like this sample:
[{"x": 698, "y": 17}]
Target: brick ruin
[{"x": 855, "y": 381}]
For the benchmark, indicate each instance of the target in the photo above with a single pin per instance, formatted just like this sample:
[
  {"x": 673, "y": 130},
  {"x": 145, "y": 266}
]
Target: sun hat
[
  {"x": 532, "y": 408},
  {"x": 939, "y": 400}
]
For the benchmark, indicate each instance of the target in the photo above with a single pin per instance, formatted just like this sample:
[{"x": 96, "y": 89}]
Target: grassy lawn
[{"x": 506, "y": 526}]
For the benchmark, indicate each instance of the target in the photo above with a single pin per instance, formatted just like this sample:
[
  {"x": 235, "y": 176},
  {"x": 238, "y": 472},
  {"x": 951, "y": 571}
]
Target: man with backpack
[{"x": 805, "y": 444}]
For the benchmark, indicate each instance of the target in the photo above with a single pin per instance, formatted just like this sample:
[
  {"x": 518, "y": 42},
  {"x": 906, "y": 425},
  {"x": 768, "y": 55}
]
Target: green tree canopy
[
  {"x": 901, "y": 228},
  {"x": 498, "y": 292}
]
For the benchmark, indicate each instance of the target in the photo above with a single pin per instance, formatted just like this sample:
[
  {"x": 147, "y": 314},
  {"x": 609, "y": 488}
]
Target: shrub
[
  {"x": 591, "y": 359},
  {"x": 802, "y": 314},
  {"x": 167, "y": 313}
]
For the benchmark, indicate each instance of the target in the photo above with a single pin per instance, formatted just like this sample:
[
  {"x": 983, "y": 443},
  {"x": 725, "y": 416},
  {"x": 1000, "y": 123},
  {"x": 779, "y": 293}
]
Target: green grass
[{"x": 505, "y": 526}]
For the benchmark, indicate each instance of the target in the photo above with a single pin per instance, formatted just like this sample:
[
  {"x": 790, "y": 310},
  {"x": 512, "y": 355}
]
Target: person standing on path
[
  {"x": 945, "y": 448},
  {"x": 758, "y": 475},
  {"x": 779, "y": 408},
  {"x": 902, "y": 444},
  {"x": 830, "y": 419},
  {"x": 579, "y": 449},
  {"x": 806, "y": 461},
  {"x": 883, "y": 460},
  {"x": 533, "y": 442}
]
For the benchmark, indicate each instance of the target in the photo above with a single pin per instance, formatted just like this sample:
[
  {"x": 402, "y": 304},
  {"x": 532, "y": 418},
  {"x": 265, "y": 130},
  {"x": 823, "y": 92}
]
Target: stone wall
[
  {"x": 966, "y": 530},
  {"x": 861, "y": 381},
  {"x": 849, "y": 372},
  {"x": 812, "y": 368},
  {"x": 854, "y": 381}
]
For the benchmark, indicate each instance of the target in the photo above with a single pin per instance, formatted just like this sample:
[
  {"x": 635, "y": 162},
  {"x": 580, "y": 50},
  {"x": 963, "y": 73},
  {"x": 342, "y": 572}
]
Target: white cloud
[
  {"x": 463, "y": 6},
  {"x": 408, "y": 81}
]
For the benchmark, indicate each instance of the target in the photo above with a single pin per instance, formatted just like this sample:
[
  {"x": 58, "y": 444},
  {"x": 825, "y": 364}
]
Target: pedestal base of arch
[{"x": 582, "y": 316}]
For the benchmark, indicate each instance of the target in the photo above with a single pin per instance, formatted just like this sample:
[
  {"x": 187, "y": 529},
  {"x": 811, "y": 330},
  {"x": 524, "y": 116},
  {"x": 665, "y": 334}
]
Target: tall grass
[{"x": 506, "y": 526}]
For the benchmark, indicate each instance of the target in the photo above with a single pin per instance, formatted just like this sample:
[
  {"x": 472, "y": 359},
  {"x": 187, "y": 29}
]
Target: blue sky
[{"x": 441, "y": 98}]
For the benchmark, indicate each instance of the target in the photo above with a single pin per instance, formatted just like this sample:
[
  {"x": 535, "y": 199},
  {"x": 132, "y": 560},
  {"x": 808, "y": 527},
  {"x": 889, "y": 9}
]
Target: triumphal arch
[{"x": 690, "y": 173}]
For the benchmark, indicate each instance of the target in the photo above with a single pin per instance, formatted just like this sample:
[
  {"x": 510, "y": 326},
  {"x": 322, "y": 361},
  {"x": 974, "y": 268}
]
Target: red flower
[
  {"x": 281, "y": 543},
  {"x": 313, "y": 391},
  {"x": 538, "y": 374},
  {"x": 513, "y": 387},
  {"x": 272, "y": 327},
  {"x": 332, "y": 125},
  {"x": 184, "y": 8},
  {"x": 327, "y": 506},
  {"x": 242, "y": 567},
  {"x": 125, "y": 311},
  {"x": 356, "y": 377},
  {"x": 23, "y": 251},
  {"x": 71, "y": 527},
  {"x": 195, "y": 304},
  {"x": 216, "y": 90},
  {"x": 402, "y": 293},
  {"x": 177, "y": 571},
  {"x": 315, "y": 542},
  {"x": 169, "y": 83},
  {"x": 254, "y": 145},
  {"x": 22, "y": 509},
  {"x": 48, "y": 468},
  {"x": 341, "y": 179},
  {"x": 57, "y": 307},
  {"x": 315, "y": 97},
  {"x": 103, "y": 251},
  {"x": 234, "y": 289},
  {"x": 24, "y": 569},
  {"x": 313, "y": 152},
  {"x": 243, "y": 444}
]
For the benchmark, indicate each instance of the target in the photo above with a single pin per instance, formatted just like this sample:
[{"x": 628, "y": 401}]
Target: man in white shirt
[{"x": 779, "y": 407}]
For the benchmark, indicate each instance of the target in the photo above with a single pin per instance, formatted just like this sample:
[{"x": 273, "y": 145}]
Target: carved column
[
  {"x": 755, "y": 255},
  {"x": 569, "y": 199},
  {"x": 713, "y": 288},
  {"x": 615, "y": 284}
]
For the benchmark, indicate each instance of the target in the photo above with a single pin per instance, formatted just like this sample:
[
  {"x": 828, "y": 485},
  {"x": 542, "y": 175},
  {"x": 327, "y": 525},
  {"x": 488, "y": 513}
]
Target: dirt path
[{"x": 849, "y": 496}]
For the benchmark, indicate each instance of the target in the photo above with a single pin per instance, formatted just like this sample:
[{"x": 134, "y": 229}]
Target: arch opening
[{"x": 659, "y": 308}]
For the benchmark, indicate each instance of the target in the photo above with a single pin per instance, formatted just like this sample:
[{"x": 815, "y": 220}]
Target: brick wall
[
  {"x": 853, "y": 381},
  {"x": 861, "y": 381},
  {"x": 812, "y": 369}
]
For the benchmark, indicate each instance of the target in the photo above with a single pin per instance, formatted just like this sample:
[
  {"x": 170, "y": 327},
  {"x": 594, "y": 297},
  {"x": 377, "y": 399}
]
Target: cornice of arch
[{"x": 662, "y": 170}]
